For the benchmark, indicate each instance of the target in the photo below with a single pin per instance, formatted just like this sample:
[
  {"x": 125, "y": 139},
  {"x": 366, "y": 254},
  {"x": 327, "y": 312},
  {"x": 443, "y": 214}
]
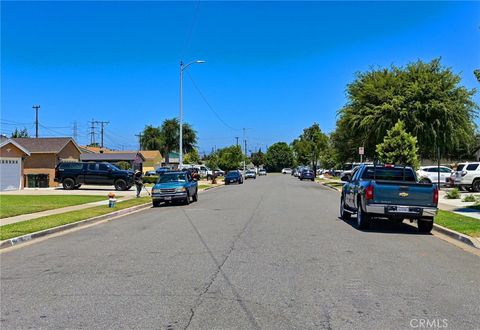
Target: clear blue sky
[{"x": 273, "y": 67}]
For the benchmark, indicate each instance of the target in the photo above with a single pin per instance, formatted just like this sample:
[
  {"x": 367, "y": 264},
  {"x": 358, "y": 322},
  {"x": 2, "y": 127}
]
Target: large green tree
[
  {"x": 279, "y": 155},
  {"x": 310, "y": 145},
  {"x": 166, "y": 138},
  {"x": 398, "y": 147},
  {"x": 427, "y": 97},
  {"x": 229, "y": 158},
  {"x": 257, "y": 158}
]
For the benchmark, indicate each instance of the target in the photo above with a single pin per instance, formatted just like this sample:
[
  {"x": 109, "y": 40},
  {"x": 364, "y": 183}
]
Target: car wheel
[
  {"x": 226, "y": 183},
  {"x": 476, "y": 185},
  {"x": 77, "y": 186},
  {"x": 343, "y": 214},
  {"x": 425, "y": 226},
  {"x": 68, "y": 184},
  {"x": 363, "y": 219},
  {"x": 195, "y": 196},
  {"x": 156, "y": 203},
  {"x": 313, "y": 179},
  {"x": 120, "y": 184}
]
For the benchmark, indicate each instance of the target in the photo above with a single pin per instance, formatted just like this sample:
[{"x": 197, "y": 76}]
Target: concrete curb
[
  {"x": 28, "y": 237},
  {"x": 329, "y": 186},
  {"x": 457, "y": 236}
]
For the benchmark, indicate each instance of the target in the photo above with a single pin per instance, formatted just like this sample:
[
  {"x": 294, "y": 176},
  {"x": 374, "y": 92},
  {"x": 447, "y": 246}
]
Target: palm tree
[{"x": 151, "y": 138}]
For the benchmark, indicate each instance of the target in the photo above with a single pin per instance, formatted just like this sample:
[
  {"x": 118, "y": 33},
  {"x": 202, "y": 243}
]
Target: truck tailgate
[{"x": 403, "y": 193}]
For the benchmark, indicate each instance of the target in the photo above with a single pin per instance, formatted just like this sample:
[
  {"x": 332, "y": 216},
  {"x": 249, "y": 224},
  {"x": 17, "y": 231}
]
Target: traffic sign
[{"x": 361, "y": 150}]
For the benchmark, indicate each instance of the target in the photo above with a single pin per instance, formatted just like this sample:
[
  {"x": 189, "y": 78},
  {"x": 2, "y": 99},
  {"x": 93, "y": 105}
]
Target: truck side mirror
[{"x": 345, "y": 178}]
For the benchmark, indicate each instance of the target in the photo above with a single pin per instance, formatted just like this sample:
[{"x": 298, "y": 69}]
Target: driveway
[{"x": 268, "y": 254}]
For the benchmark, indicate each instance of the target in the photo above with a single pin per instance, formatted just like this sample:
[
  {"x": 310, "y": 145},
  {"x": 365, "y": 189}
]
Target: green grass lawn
[
  {"x": 460, "y": 223},
  {"x": 204, "y": 186},
  {"x": 11, "y": 205},
  {"x": 51, "y": 221}
]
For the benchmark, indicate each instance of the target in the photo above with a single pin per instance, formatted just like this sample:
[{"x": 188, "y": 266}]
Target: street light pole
[{"x": 180, "y": 145}]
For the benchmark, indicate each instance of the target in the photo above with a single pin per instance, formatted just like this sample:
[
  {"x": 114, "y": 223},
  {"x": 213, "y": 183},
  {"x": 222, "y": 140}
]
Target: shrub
[
  {"x": 150, "y": 179},
  {"x": 453, "y": 194},
  {"x": 469, "y": 198}
]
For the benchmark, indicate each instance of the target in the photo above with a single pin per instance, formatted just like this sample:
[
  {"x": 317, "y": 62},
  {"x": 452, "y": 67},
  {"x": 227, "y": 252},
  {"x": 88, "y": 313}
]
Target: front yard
[
  {"x": 458, "y": 222},
  {"x": 12, "y": 205}
]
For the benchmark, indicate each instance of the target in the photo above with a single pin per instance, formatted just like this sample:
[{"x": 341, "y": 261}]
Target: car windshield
[
  {"x": 172, "y": 177},
  {"x": 232, "y": 174}
]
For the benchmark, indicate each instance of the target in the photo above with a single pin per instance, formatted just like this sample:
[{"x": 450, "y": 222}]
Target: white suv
[
  {"x": 468, "y": 176},
  {"x": 429, "y": 174}
]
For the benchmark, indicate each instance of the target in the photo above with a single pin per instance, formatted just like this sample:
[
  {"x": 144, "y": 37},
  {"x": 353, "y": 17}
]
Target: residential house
[
  {"x": 45, "y": 154},
  {"x": 12, "y": 157}
]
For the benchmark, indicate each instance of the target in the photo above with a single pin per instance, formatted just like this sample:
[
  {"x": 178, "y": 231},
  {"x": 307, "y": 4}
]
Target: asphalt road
[{"x": 268, "y": 254}]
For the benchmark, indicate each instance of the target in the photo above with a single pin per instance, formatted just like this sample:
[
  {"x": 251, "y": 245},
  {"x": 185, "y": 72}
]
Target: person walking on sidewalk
[{"x": 138, "y": 180}]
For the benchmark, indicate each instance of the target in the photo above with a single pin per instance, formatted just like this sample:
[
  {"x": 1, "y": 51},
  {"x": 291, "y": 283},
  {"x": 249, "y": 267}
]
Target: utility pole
[
  {"x": 236, "y": 137},
  {"x": 92, "y": 132},
  {"x": 36, "y": 107},
  {"x": 102, "y": 124},
  {"x": 140, "y": 135},
  {"x": 244, "y": 158}
]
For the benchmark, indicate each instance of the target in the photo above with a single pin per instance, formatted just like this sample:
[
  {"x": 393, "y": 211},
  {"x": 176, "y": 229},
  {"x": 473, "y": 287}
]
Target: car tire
[
  {"x": 120, "y": 184},
  {"x": 363, "y": 218},
  {"x": 155, "y": 203},
  {"x": 344, "y": 214},
  {"x": 476, "y": 185},
  {"x": 77, "y": 186},
  {"x": 226, "y": 183},
  {"x": 195, "y": 196},
  {"x": 425, "y": 226},
  {"x": 68, "y": 184},
  {"x": 313, "y": 179}
]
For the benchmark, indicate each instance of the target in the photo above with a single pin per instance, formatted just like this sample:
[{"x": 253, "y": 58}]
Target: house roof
[
  {"x": 95, "y": 149},
  {"x": 150, "y": 154},
  {"x": 127, "y": 156},
  {"x": 5, "y": 141},
  {"x": 45, "y": 145}
]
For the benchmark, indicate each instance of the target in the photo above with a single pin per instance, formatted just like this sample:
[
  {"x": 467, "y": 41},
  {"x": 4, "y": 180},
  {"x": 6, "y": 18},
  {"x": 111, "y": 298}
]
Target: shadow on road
[{"x": 386, "y": 227}]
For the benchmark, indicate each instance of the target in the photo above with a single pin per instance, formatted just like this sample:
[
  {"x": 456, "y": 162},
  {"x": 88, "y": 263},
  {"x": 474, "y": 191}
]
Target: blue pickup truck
[
  {"x": 175, "y": 186},
  {"x": 389, "y": 192}
]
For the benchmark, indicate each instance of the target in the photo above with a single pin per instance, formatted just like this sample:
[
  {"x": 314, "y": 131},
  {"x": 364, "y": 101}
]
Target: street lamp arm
[{"x": 184, "y": 66}]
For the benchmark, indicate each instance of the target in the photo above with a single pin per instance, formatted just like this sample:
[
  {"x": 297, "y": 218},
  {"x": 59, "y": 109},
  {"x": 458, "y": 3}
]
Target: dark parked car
[
  {"x": 233, "y": 176},
  {"x": 72, "y": 175},
  {"x": 307, "y": 174}
]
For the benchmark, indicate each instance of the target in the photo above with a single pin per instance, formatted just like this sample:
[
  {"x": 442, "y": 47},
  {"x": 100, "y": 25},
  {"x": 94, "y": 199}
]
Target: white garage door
[{"x": 10, "y": 173}]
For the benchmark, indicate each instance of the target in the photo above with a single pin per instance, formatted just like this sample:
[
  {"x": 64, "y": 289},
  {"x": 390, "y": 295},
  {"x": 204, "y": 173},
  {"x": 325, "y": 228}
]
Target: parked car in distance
[
  {"x": 287, "y": 171},
  {"x": 388, "y": 192},
  {"x": 250, "y": 174},
  {"x": 307, "y": 174},
  {"x": 161, "y": 170},
  {"x": 262, "y": 171},
  {"x": 219, "y": 172},
  {"x": 73, "y": 174},
  {"x": 468, "y": 176},
  {"x": 175, "y": 186},
  {"x": 233, "y": 176},
  {"x": 429, "y": 174}
]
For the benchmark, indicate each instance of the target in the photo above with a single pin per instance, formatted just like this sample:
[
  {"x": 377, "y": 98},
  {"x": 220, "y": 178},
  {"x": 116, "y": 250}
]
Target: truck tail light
[
  {"x": 435, "y": 195},
  {"x": 369, "y": 193}
]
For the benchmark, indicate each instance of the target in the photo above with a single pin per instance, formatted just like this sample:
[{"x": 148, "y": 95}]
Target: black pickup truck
[{"x": 73, "y": 175}]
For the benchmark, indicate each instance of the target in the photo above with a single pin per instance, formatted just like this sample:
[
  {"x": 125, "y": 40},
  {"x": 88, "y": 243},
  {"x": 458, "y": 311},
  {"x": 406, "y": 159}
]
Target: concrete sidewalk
[{"x": 30, "y": 216}]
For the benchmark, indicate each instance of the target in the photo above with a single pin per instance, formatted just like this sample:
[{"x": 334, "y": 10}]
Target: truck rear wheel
[
  {"x": 476, "y": 185},
  {"x": 68, "y": 184},
  {"x": 363, "y": 219},
  {"x": 425, "y": 225}
]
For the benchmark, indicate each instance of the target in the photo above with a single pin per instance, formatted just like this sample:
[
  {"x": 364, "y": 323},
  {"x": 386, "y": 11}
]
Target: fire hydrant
[{"x": 111, "y": 200}]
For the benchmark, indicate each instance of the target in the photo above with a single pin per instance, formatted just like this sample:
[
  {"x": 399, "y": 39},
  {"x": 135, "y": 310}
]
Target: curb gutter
[
  {"x": 442, "y": 230},
  {"x": 457, "y": 236},
  {"x": 28, "y": 237}
]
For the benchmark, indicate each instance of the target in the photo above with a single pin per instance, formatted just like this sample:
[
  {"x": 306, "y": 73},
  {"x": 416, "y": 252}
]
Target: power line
[
  {"x": 209, "y": 105},
  {"x": 186, "y": 44}
]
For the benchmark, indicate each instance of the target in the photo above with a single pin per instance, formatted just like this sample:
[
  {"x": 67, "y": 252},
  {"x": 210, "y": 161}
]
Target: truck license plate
[
  {"x": 167, "y": 198},
  {"x": 403, "y": 209}
]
